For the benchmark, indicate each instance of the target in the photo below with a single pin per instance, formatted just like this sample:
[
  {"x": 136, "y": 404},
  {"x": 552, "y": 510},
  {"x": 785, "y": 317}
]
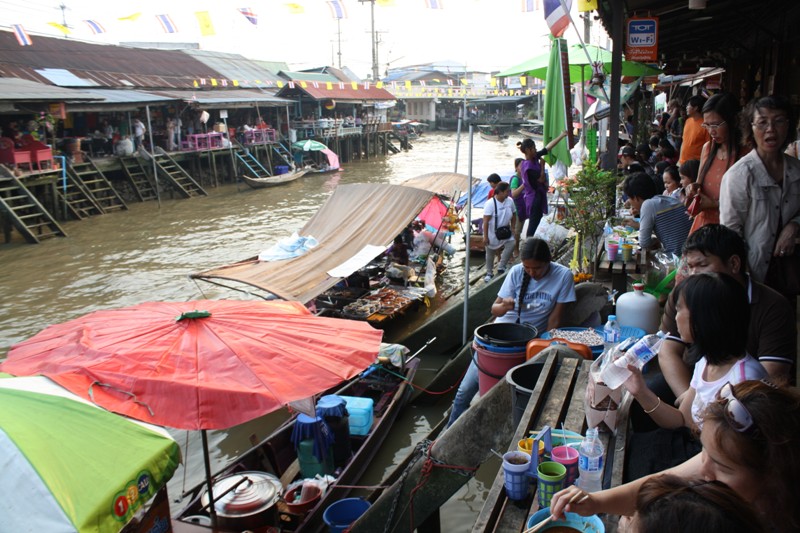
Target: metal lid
[{"x": 252, "y": 493}]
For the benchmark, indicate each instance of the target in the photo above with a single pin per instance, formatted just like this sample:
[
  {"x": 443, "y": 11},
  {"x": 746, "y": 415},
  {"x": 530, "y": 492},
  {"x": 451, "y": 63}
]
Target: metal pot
[{"x": 245, "y": 500}]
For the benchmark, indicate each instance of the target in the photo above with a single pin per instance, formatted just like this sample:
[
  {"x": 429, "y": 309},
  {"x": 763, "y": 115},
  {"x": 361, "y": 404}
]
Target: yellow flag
[
  {"x": 194, "y": 83},
  {"x": 587, "y": 5},
  {"x": 60, "y": 27},
  {"x": 329, "y": 85},
  {"x": 131, "y": 17},
  {"x": 385, "y": 3},
  {"x": 493, "y": 82},
  {"x": 354, "y": 84},
  {"x": 303, "y": 84},
  {"x": 522, "y": 80},
  {"x": 213, "y": 82},
  {"x": 204, "y": 21},
  {"x": 279, "y": 84},
  {"x": 235, "y": 83},
  {"x": 379, "y": 85},
  {"x": 295, "y": 9},
  {"x": 408, "y": 83}
]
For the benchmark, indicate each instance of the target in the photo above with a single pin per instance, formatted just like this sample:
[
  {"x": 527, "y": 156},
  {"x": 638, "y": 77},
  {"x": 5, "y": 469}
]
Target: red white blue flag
[
  {"x": 22, "y": 36},
  {"x": 531, "y": 5},
  {"x": 167, "y": 24},
  {"x": 337, "y": 9},
  {"x": 250, "y": 15},
  {"x": 95, "y": 26},
  {"x": 433, "y": 4},
  {"x": 556, "y": 16}
]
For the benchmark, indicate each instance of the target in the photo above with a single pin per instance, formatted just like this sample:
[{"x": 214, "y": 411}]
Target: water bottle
[
  {"x": 612, "y": 333},
  {"x": 590, "y": 462},
  {"x": 617, "y": 373}
]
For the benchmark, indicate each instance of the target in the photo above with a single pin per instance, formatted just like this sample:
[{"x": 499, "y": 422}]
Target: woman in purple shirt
[{"x": 535, "y": 181}]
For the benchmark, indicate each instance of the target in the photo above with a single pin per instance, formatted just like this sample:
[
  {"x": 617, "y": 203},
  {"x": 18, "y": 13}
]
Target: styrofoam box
[{"x": 360, "y": 412}]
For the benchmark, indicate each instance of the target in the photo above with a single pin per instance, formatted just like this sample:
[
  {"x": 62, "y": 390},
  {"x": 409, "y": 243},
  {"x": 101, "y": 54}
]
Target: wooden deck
[{"x": 557, "y": 399}]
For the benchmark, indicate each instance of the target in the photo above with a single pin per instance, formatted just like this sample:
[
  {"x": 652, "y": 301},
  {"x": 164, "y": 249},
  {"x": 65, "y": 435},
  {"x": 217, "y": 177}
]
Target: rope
[{"x": 423, "y": 389}]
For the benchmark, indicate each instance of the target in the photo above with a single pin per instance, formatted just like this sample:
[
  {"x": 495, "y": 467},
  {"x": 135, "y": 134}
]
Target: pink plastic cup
[
  {"x": 569, "y": 458},
  {"x": 612, "y": 250}
]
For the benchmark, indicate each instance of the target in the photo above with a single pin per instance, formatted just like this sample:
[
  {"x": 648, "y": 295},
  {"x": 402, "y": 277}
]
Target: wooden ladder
[
  {"x": 97, "y": 185},
  {"x": 24, "y": 211},
  {"x": 138, "y": 178},
  {"x": 181, "y": 180},
  {"x": 253, "y": 166},
  {"x": 80, "y": 202}
]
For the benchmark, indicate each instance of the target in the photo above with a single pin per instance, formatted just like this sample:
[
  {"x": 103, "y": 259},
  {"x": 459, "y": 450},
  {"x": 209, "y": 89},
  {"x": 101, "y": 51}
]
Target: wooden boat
[
  {"x": 272, "y": 181},
  {"x": 491, "y": 132},
  {"x": 533, "y": 129},
  {"x": 276, "y": 456}
]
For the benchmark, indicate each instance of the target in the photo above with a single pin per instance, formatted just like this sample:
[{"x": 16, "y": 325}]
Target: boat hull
[{"x": 273, "y": 181}]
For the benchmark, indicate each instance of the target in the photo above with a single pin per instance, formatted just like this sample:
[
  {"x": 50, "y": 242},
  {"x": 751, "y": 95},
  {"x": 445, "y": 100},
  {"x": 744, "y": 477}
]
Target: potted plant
[{"x": 590, "y": 196}]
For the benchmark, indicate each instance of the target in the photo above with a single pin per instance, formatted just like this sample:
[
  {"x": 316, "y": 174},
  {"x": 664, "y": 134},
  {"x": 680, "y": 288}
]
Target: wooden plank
[
  {"x": 496, "y": 499},
  {"x": 576, "y": 414}
]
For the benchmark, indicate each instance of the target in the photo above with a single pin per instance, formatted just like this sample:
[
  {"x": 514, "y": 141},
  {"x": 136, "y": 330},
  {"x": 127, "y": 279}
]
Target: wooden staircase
[
  {"x": 96, "y": 184},
  {"x": 24, "y": 211},
  {"x": 284, "y": 153},
  {"x": 79, "y": 201},
  {"x": 140, "y": 181},
  {"x": 254, "y": 168},
  {"x": 175, "y": 175}
]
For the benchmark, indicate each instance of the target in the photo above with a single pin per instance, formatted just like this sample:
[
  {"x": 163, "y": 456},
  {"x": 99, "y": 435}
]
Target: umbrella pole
[
  {"x": 464, "y": 331},
  {"x": 212, "y": 512}
]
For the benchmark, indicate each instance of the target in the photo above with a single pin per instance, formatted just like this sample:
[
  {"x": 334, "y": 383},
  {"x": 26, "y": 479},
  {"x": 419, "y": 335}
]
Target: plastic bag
[
  {"x": 601, "y": 402},
  {"x": 660, "y": 274},
  {"x": 430, "y": 278},
  {"x": 551, "y": 232}
]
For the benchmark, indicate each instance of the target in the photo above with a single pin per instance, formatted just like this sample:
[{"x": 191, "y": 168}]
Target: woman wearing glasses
[
  {"x": 720, "y": 114},
  {"x": 749, "y": 443},
  {"x": 760, "y": 196}
]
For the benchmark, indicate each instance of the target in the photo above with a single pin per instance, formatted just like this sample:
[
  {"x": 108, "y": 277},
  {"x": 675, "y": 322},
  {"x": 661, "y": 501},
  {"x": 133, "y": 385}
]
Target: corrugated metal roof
[
  {"x": 272, "y": 66},
  {"x": 234, "y": 67},
  {"x": 226, "y": 98},
  {"x": 103, "y": 65},
  {"x": 308, "y": 76},
  {"x": 17, "y": 90},
  {"x": 336, "y": 92},
  {"x": 501, "y": 100},
  {"x": 118, "y": 100}
]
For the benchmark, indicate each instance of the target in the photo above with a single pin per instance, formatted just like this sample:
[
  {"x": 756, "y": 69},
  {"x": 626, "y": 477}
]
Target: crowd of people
[{"x": 719, "y": 187}]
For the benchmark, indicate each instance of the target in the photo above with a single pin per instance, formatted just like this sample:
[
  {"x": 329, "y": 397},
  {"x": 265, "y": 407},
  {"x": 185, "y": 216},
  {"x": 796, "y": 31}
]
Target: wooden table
[
  {"x": 619, "y": 270},
  {"x": 557, "y": 398}
]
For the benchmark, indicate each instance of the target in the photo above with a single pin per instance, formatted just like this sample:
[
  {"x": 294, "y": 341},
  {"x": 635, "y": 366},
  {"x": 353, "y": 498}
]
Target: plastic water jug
[
  {"x": 638, "y": 309},
  {"x": 360, "y": 411}
]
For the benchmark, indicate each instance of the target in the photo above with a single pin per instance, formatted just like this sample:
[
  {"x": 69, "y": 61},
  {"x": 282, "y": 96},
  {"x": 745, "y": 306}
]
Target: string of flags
[{"x": 337, "y": 8}]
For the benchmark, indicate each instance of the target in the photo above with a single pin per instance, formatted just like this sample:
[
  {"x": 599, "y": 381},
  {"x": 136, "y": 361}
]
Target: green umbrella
[
  {"x": 309, "y": 146},
  {"x": 580, "y": 67}
]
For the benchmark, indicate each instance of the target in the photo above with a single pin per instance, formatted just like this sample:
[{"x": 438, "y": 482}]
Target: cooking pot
[{"x": 245, "y": 500}]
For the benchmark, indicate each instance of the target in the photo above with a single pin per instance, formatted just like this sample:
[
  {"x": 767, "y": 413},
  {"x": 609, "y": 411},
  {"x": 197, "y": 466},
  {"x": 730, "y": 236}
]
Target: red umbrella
[{"x": 208, "y": 364}]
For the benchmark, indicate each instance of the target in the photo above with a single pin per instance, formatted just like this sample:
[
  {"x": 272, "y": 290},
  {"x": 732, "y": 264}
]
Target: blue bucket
[
  {"x": 588, "y": 524},
  {"x": 281, "y": 169},
  {"x": 339, "y": 515}
]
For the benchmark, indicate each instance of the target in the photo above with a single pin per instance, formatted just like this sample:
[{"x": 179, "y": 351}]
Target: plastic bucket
[
  {"x": 281, "y": 169},
  {"x": 339, "y": 515},
  {"x": 522, "y": 379},
  {"x": 499, "y": 347}
]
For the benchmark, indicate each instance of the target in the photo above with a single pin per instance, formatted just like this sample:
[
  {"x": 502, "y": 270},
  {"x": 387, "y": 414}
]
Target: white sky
[{"x": 486, "y": 35}]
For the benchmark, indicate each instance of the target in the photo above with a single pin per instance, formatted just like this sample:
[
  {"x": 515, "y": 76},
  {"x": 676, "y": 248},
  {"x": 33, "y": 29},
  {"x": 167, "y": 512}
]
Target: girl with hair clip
[
  {"x": 531, "y": 170},
  {"x": 749, "y": 437}
]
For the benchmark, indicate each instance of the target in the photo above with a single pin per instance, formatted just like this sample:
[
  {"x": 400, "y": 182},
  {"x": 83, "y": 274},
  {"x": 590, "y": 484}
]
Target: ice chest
[{"x": 360, "y": 411}]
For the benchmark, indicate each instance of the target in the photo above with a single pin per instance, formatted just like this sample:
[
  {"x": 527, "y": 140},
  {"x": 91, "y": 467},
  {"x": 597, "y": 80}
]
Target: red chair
[
  {"x": 40, "y": 153},
  {"x": 10, "y": 156}
]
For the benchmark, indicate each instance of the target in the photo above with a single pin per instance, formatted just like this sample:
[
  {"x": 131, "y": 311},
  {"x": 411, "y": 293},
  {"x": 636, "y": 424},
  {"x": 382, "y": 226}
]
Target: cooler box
[{"x": 360, "y": 411}]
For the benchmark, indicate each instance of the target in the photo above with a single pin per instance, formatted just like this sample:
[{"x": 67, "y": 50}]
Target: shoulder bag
[{"x": 503, "y": 232}]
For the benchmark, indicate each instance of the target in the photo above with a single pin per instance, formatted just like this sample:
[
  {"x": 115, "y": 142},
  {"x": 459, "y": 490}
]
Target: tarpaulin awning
[
  {"x": 117, "y": 100},
  {"x": 353, "y": 217},
  {"x": 232, "y": 98},
  {"x": 444, "y": 183},
  {"x": 19, "y": 90}
]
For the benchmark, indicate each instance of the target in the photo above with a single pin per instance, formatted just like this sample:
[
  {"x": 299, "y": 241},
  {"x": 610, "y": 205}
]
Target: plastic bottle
[
  {"x": 617, "y": 373},
  {"x": 612, "y": 333},
  {"x": 639, "y": 309},
  {"x": 590, "y": 462}
]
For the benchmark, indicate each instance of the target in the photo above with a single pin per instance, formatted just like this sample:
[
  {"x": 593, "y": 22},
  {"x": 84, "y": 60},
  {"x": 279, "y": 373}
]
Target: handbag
[
  {"x": 693, "y": 207},
  {"x": 502, "y": 232}
]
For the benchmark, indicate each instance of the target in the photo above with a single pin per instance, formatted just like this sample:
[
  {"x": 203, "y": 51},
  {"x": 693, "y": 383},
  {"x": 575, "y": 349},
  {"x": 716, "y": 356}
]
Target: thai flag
[
  {"x": 95, "y": 26},
  {"x": 556, "y": 16},
  {"x": 249, "y": 15},
  {"x": 531, "y": 5},
  {"x": 433, "y": 4},
  {"x": 167, "y": 24},
  {"x": 22, "y": 36},
  {"x": 337, "y": 9}
]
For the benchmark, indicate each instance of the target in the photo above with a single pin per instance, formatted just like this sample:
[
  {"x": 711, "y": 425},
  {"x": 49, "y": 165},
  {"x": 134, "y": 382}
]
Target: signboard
[{"x": 642, "y": 40}]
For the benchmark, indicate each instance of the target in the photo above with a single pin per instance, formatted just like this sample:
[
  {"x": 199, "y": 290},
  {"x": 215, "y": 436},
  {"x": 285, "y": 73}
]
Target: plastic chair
[
  {"x": 40, "y": 153},
  {"x": 10, "y": 156}
]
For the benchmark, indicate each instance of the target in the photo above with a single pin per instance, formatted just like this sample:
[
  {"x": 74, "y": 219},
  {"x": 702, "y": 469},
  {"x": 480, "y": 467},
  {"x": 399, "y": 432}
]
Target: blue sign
[{"x": 642, "y": 32}]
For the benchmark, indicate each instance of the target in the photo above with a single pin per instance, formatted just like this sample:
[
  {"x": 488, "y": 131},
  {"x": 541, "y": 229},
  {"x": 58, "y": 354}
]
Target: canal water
[{"x": 147, "y": 252}]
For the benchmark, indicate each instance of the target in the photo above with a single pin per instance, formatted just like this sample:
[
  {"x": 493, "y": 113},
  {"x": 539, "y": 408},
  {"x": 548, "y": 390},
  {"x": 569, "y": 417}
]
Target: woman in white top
[
  {"x": 713, "y": 314},
  {"x": 498, "y": 212}
]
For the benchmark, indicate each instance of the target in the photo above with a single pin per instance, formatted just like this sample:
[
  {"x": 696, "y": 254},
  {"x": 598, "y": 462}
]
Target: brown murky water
[{"x": 147, "y": 252}]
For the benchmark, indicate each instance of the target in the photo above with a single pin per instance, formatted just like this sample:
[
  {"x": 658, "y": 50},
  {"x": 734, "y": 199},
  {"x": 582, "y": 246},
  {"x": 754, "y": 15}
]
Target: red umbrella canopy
[{"x": 208, "y": 364}]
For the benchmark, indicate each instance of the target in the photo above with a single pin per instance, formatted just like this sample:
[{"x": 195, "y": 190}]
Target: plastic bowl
[
  {"x": 584, "y": 524},
  {"x": 596, "y": 349}
]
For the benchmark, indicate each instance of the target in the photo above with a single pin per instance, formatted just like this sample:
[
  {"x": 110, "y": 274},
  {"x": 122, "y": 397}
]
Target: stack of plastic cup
[
  {"x": 515, "y": 474},
  {"x": 569, "y": 458},
  {"x": 612, "y": 248},
  {"x": 551, "y": 480},
  {"x": 627, "y": 252}
]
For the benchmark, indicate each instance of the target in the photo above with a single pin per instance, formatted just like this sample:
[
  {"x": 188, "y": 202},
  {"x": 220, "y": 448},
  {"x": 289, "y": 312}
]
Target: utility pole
[
  {"x": 375, "y": 72},
  {"x": 63, "y": 9},
  {"x": 339, "y": 38}
]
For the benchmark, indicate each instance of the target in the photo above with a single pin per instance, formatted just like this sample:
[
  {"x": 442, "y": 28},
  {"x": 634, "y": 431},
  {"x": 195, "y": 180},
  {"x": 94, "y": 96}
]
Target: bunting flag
[
  {"x": 433, "y": 4},
  {"x": 249, "y": 15},
  {"x": 354, "y": 85},
  {"x": 385, "y": 3},
  {"x": 531, "y": 5},
  {"x": 587, "y": 5},
  {"x": 60, "y": 27},
  {"x": 294, "y": 8},
  {"x": 95, "y": 26},
  {"x": 329, "y": 85},
  {"x": 337, "y": 9},
  {"x": 379, "y": 85},
  {"x": 131, "y": 18},
  {"x": 235, "y": 83},
  {"x": 195, "y": 84},
  {"x": 22, "y": 36},
  {"x": 450, "y": 82},
  {"x": 557, "y": 104},
  {"x": 167, "y": 24},
  {"x": 213, "y": 82},
  {"x": 204, "y": 21},
  {"x": 556, "y": 16}
]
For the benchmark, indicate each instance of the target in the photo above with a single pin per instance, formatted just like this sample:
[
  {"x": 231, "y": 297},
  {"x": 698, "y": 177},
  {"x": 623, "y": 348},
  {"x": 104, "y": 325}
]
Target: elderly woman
[{"x": 760, "y": 196}]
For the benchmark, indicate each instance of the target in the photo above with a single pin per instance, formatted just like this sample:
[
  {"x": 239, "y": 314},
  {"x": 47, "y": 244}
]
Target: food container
[{"x": 245, "y": 500}]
